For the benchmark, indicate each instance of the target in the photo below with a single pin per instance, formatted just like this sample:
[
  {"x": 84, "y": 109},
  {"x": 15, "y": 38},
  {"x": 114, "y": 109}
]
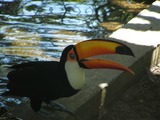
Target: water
[{"x": 41, "y": 29}]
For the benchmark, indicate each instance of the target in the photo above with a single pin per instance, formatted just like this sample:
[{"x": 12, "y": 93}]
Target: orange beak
[{"x": 89, "y": 48}]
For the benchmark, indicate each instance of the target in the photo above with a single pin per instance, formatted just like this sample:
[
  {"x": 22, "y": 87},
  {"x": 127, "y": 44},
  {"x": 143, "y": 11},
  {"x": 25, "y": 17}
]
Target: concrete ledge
[{"x": 104, "y": 87}]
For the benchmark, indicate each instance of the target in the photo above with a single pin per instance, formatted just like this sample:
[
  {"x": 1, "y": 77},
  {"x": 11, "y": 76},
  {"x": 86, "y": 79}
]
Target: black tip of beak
[{"x": 124, "y": 50}]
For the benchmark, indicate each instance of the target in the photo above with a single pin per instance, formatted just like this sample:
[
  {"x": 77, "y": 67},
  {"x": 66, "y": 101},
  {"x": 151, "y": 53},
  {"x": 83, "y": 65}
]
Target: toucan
[{"x": 45, "y": 81}]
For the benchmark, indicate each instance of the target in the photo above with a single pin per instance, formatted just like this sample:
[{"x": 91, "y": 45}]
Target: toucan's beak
[{"x": 95, "y": 47}]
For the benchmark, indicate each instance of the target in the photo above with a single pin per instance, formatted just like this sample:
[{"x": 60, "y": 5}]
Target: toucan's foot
[
  {"x": 59, "y": 107},
  {"x": 48, "y": 110},
  {"x": 46, "y": 113}
]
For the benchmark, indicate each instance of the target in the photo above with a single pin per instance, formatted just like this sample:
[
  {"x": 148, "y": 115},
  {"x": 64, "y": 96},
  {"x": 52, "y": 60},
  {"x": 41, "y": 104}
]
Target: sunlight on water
[{"x": 42, "y": 29}]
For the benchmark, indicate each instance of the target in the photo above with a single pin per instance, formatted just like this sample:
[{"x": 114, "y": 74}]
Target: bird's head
[
  {"x": 76, "y": 57},
  {"x": 82, "y": 51}
]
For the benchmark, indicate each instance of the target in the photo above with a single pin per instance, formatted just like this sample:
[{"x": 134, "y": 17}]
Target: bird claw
[
  {"x": 46, "y": 113},
  {"x": 59, "y": 107},
  {"x": 53, "y": 106}
]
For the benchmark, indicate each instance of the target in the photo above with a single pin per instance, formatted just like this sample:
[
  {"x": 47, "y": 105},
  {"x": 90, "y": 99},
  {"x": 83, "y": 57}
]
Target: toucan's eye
[{"x": 72, "y": 56}]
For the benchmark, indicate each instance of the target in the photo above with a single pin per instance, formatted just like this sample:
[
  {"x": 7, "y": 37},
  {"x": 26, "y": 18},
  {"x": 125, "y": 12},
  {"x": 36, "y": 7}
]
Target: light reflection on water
[{"x": 44, "y": 28}]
